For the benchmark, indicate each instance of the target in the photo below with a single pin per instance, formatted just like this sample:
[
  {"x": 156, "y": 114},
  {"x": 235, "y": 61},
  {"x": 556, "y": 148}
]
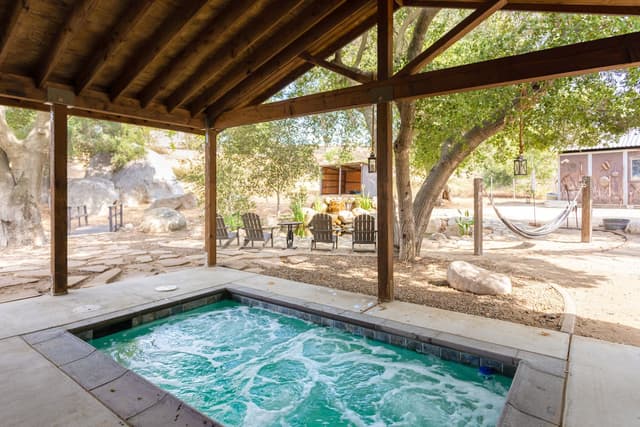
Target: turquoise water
[{"x": 245, "y": 366}]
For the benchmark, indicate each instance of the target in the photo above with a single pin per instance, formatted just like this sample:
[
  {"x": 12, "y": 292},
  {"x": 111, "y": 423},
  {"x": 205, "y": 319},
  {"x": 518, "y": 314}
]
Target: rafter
[
  {"x": 271, "y": 86},
  {"x": 609, "y": 7},
  {"x": 96, "y": 104},
  {"x": 456, "y": 33},
  {"x": 581, "y": 58},
  {"x": 208, "y": 39},
  {"x": 158, "y": 42},
  {"x": 75, "y": 19},
  {"x": 226, "y": 54},
  {"x": 20, "y": 10},
  {"x": 246, "y": 77},
  {"x": 110, "y": 44},
  {"x": 341, "y": 69}
]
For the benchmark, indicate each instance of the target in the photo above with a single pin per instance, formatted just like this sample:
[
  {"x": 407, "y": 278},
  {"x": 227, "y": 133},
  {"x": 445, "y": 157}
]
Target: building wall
[
  {"x": 572, "y": 168},
  {"x": 607, "y": 178},
  {"x": 634, "y": 177}
]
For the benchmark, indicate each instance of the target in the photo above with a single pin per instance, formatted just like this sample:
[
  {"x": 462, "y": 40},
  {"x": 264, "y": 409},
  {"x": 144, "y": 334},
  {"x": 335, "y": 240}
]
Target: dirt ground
[{"x": 602, "y": 277}]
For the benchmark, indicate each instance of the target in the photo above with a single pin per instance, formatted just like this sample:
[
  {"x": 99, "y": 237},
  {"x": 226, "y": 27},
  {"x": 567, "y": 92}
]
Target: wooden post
[
  {"x": 210, "y": 195},
  {"x": 477, "y": 216},
  {"x": 586, "y": 227},
  {"x": 59, "y": 211},
  {"x": 384, "y": 154}
]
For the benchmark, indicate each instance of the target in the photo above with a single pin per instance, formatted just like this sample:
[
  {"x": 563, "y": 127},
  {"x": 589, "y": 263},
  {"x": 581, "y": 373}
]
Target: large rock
[
  {"x": 633, "y": 227},
  {"x": 145, "y": 180},
  {"x": 186, "y": 201},
  {"x": 100, "y": 166},
  {"x": 96, "y": 193},
  {"x": 162, "y": 220},
  {"x": 470, "y": 278}
]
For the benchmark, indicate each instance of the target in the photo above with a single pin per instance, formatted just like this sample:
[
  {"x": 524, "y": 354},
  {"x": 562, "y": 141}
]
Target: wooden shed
[
  {"x": 351, "y": 178},
  {"x": 613, "y": 165}
]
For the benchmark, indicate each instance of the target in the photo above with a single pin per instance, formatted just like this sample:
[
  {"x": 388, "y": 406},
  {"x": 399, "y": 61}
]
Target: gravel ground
[{"x": 532, "y": 302}]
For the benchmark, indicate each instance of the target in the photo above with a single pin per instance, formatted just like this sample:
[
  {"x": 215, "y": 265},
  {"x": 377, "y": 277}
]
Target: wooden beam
[
  {"x": 157, "y": 43},
  {"x": 477, "y": 216},
  {"x": 115, "y": 38},
  {"x": 384, "y": 161},
  {"x": 585, "y": 224},
  {"x": 210, "y": 38},
  {"x": 247, "y": 82},
  {"x": 604, "y": 7},
  {"x": 97, "y": 105},
  {"x": 225, "y": 55},
  {"x": 210, "y": 195},
  {"x": 572, "y": 60},
  {"x": 16, "y": 17},
  {"x": 355, "y": 75},
  {"x": 270, "y": 87},
  {"x": 78, "y": 15},
  {"x": 456, "y": 33},
  {"x": 58, "y": 173},
  {"x": 291, "y": 39}
]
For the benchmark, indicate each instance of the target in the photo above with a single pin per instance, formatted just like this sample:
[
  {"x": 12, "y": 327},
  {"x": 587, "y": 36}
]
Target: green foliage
[
  {"x": 271, "y": 154},
  {"x": 298, "y": 201},
  {"x": 318, "y": 205},
  {"x": 364, "y": 201},
  {"x": 20, "y": 120},
  {"x": 464, "y": 222},
  {"x": 124, "y": 142}
]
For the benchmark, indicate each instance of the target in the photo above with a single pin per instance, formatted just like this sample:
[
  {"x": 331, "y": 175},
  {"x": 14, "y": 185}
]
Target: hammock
[{"x": 550, "y": 227}]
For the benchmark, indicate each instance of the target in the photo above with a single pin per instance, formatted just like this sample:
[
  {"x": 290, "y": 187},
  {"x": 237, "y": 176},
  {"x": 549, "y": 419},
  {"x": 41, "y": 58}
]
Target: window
[{"x": 635, "y": 168}]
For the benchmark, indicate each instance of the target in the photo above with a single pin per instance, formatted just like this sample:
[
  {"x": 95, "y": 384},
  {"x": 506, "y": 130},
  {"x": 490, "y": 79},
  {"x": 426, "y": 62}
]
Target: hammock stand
[{"x": 544, "y": 230}]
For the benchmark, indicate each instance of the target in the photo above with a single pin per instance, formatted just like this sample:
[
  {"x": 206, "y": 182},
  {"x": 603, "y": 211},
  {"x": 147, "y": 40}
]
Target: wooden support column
[
  {"x": 477, "y": 216},
  {"x": 586, "y": 226},
  {"x": 384, "y": 152},
  {"x": 58, "y": 174},
  {"x": 210, "y": 195}
]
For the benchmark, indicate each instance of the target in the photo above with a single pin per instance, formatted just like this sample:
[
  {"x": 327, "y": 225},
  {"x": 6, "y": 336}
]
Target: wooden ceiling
[{"x": 171, "y": 63}]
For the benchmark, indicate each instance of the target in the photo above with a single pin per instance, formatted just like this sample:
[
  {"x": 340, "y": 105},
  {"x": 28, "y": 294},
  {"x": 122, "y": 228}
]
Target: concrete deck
[{"x": 600, "y": 390}]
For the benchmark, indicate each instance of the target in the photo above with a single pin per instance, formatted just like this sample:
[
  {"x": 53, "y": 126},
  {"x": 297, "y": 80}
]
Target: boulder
[
  {"x": 145, "y": 180},
  {"x": 100, "y": 166},
  {"x": 470, "y": 278},
  {"x": 345, "y": 217},
  {"x": 359, "y": 211},
  {"x": 96, "y": 193},
  {"x": 185, "y": 201},
  {"x": 161, "y": 220},
  {"x": 633, "y": 227}
]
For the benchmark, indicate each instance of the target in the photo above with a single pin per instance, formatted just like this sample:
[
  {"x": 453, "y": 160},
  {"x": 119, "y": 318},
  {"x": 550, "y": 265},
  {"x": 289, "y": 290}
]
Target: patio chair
[
  {"x": 223, "y": 232},
  {"x": 321, "y": 227},
  {"x": 364, "y": 231},
  {"x": 254, "y": 232}
]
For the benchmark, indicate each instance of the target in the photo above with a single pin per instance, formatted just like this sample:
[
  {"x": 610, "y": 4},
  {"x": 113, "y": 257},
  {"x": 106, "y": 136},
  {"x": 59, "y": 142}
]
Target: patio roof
[
  {"x": 204, "y": 65},
  {"x": 166, "y": 63}
]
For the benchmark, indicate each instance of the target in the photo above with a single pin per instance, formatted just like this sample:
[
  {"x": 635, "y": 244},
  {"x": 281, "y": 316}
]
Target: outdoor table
[{"x": 290, "y": 225}]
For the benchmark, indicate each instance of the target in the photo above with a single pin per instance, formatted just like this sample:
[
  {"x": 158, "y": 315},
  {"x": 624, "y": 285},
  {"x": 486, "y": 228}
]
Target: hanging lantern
[
  {"x": 371, "y": 162},
  {"x": 520, "y": 166}
]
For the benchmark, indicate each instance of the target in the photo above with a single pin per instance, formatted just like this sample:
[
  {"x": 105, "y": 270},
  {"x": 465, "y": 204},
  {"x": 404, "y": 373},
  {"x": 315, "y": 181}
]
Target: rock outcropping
[{"x": 162, "y": 220}]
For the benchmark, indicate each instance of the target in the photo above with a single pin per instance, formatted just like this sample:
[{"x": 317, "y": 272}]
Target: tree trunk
[
  {"x": 22, "y": 164},
  {"x": 402, "y": 147},
  {"x": 452, "y": 154}
]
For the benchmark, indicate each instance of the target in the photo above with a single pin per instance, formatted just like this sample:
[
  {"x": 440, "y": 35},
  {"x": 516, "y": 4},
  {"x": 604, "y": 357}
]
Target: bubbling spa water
[{"x": 246, "y": 366}]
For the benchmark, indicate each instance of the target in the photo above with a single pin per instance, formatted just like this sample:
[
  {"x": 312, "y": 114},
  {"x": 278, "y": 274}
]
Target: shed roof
[{"x": 631, "y": 139}]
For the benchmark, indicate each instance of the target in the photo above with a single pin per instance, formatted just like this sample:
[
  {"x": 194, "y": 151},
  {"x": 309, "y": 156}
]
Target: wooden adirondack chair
[
  {"x": 254, "y": 232},
  {"x": 223, "y": 232},
  {"x": 321, "y": 227},
  {"x": 364, "y": 231}
]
